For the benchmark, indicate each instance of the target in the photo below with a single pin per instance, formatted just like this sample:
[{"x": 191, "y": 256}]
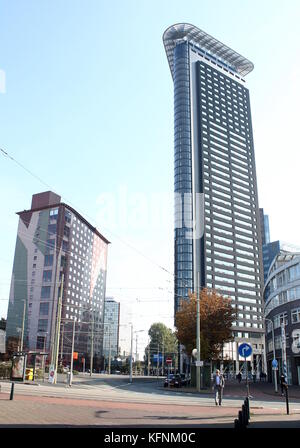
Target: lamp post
[
  {"x": 274, "y": 355},
  {"x": 92, "y": 344},
  {"x": 131, "y": 349},
  {"x": 72, "y": 353},
  {"x": 23, "y": 325},
  {"x": 198, "y": 371}
]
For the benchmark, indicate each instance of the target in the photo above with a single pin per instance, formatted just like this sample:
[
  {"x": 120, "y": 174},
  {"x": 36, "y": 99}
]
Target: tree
[
  {"x": 163, "y": 338},
  {"x": 216, "y": 318}
]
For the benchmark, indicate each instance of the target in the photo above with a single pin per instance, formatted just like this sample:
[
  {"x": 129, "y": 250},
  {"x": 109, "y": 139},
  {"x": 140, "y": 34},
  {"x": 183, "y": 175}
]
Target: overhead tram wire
[{"x": 6, "y": 154}]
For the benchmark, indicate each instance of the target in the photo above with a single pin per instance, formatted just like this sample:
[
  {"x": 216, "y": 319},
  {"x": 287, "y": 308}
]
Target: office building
[
  {"x": 2, "y": 335},
  {"x": 111, "y": 328},
  {"x": 217, "y": 226},
  {"x": 282, "y": 305},
  {"x": 269, "y": 249},
  {"x": 55, "y": 242}
]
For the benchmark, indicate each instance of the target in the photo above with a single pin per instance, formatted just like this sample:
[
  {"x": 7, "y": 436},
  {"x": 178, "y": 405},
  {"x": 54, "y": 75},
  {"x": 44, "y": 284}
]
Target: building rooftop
[
  {"x": 48, "y": 199},
  {"x": 187, "y": 32}
]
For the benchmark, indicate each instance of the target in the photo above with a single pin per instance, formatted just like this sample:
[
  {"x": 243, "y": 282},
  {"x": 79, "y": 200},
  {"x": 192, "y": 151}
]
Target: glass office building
[
  {"x": 215, "y": 179},
  {"x": 53, "y": 240}
]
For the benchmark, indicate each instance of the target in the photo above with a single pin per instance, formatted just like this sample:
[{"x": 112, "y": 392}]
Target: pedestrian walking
[
  {"x": 218, "y": 387},
  {"x": 239, "y": 377}
]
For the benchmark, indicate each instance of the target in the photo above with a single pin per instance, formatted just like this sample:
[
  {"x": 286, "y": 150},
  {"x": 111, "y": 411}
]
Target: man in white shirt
[{"x": 218, "y": 387}]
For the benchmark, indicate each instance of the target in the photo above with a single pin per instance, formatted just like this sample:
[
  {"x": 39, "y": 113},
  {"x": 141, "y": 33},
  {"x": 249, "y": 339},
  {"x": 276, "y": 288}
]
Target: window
[
  {"x": 277, "y": 342},
  {"x": 280, "y": 319},
  {"x": 68, "y": 216},
  {"x": 51, "y": 229},
  {"x": 45, "y": 292},
  {"x": 40, "y": 342},
  {"x": 42, "y": 324},
  {"x": 54, "y": 213},
  {"x": 44, "y": 309},
  {"x": 295, "y": 315},
  {"x": 48, "y": 260},
  {"x": 47, "y": 276}
]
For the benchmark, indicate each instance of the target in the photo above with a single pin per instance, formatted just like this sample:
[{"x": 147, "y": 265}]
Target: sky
[{"x": 86, "y": 104}]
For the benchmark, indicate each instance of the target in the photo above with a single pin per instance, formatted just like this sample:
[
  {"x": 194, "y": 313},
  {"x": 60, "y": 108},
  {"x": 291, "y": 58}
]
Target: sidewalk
[
  {"x": 233, "y": 389},
  {"x": 33, "y": 411}
]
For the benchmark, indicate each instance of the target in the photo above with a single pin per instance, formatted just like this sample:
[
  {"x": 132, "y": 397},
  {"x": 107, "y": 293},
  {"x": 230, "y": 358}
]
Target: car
[
  {"x": 168, "y": 379},
  {"x": 176, "y": 381},
  {"x": 185, "y": 379}
]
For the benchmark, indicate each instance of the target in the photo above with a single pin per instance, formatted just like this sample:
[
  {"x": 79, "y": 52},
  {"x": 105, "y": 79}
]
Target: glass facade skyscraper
[{"x": 215, "y": 178}]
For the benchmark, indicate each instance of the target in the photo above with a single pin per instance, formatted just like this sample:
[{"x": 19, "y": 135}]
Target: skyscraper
[
  {"x": 217, "y": 228},
  {"x": 269, "y": 249},
  {"x": 54, "y": 239},
  {"x": 111, "y": 327}
]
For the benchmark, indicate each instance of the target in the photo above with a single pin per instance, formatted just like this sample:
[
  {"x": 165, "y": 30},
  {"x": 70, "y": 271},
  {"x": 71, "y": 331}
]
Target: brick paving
[{"x": 48, "y": 411}]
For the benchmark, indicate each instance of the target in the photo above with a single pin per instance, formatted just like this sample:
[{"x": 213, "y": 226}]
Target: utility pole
[
  {"x": 72, "y": 353},
  {"x": 198, "y": 371},
  {"x": 109, "y": 353},
  {"x": 149, "y": 359},
  {"x": 283, "y": 348},
  {"x": 58, "y": 325},
  {"x": 92, "y": 346},
  {"x": 163, "y": 358},
  {"x": 136, "y": 353},
  {"x": 131, "y": 346},
  {"x": 55, "y": 350},
  {"x": 157, "y": 360},
  {"x": 62, "y": 345},
  {"x": 23, "y": 326}
]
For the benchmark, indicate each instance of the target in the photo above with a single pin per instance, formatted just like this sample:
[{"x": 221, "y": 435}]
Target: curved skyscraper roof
[{"x": 185, "y": 31}]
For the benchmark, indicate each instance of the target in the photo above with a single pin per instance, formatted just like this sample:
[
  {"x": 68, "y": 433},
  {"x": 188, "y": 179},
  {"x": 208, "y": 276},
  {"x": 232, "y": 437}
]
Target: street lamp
[
  {"x": 131, "y": 349},
  {"x": 274, "y": 355},
  {"x": 23, "y": 325}
]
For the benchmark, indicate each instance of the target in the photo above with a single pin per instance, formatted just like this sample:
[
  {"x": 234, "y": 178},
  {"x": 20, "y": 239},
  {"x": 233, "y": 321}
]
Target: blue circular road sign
[
  {"x": 275, "y": 363},
  {"x": 245, "y": 350}
]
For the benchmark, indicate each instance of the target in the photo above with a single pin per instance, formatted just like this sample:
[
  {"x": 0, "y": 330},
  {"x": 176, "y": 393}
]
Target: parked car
[
  {"x": 176, "y": 381},
  {"x": 168, "y": 380},
  {"x": 185, "y": 379}
]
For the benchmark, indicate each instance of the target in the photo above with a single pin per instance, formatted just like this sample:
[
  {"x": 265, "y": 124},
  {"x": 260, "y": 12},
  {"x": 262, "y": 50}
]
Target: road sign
[
  {"x": 274, "y": 363},
  {"x": 199, "y": 363},
  {"x": 160, "y": 358},
  {"x": 169, "y": 360},
  {"x": 245, "y": 350}
]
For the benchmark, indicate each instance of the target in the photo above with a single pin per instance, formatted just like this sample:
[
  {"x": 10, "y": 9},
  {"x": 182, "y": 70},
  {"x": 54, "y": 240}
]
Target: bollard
[
  {"x": 12, "y": 391},
  {"x": 236, "y": 424},
  {"x": 244, "y": 415},
  {"x": 240, "y": 416},
  {"x": 287, "y": 399},
  {"x": 246, "y": 412},
  {"x": 248, "y": 408}
]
